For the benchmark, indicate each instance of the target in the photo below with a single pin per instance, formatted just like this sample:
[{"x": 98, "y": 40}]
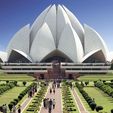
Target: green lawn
[
  {"x": 18, "y": 77},
  {"x": 10, "y": 95},
  {"x": 95, "y": 77},
  {"x": 101, "y": 98},
  {"x": 13, "y": 93}
]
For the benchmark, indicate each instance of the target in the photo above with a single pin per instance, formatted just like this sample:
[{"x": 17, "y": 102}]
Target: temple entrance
[
  {"x": 55, "y": 72},
  {"x": 41, "y": 76},
  {"x": 70, "y": 76}
]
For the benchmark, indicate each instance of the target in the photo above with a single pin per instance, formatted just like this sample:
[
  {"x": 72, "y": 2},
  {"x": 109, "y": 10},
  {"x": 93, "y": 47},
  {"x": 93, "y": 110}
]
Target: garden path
[
  {"x": 25, "y": 103},
  {"x": 79, "y": 103},
  {"x": 58, "y": 99}
]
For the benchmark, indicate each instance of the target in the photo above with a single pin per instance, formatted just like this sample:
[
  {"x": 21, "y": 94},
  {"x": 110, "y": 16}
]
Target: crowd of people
[
  {"x": 3, "y": 108},
  {"x": 49, "y": 104}
]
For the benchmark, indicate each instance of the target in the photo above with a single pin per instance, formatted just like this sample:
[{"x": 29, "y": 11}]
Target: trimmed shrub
[
  {"x": 15, "y": 82},
  {"x": 24, "y": 83},
  {"x": 98, "y": 108},
  {"x": 111, "y": 110},
  {"x": 10, "y": 106},
  {"x": 7, "y": 82},
  {"x": 93, "y": 105}
]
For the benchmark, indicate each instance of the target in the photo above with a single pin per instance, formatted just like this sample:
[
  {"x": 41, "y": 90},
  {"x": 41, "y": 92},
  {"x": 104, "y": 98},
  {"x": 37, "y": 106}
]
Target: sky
[{"x": 14, "y": 14}]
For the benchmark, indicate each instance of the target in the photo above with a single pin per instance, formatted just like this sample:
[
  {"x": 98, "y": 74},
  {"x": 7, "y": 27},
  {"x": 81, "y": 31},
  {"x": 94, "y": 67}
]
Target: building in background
[{"x": 57, "y": 39}]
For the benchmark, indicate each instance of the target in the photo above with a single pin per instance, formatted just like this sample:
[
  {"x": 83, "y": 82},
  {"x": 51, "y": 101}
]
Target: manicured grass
[
  {"x": 101, "y": 98},
  {"x": 10, "y": 95},
  {"x": 17, "y": 77},
  {"x": 95, "y": 77}
]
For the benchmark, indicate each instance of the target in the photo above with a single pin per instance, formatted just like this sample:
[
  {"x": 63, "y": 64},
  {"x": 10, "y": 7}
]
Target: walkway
[
  {"x": 58, "y": 98},
  {"x": 79, "y": 103},
  {"x": 26, "y": 102}
]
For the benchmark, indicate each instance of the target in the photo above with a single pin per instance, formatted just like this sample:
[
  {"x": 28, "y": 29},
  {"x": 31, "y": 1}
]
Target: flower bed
[{"x": 68, "y": 102}]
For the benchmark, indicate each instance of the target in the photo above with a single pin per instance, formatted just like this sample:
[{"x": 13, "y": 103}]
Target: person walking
[
  {"x": 54, "y": 103},
  {"x": 50, "y": 105},
  {"x": 54, "y": 90},
  {"x": 44, "y": 102},
  {"x": 50, "y": 90},
  {"x": 4, "y": 107},
  {"x": 19, "y": 109}
]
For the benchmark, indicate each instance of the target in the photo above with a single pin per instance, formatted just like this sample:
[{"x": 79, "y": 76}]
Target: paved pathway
[
  {"x": 79, "y": 103},
  {"x": 58, "y": 99},
  {"x": 26, "y": 102}
]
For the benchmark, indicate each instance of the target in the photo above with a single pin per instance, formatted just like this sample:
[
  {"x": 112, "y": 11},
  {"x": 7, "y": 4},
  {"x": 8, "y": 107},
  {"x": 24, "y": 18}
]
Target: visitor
[
  {"x": 1, "y": 109},
  {"x": 47, "y": 103},
  {"x": 30, "y": 94},
  {"x": 54, "y": 103},
  {"x": 50, "y": 90},
  {"x": 54, "y": 90},
  {"x": 14, "y": 109},
  {"x": 44, "y": 102},
  {"x": 4, "y": 108},
  {"x": 19, "y": 109},
  {"x": 50, "y": 106}
]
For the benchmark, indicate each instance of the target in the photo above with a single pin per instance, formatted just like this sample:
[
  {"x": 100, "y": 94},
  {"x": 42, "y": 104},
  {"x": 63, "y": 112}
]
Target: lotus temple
[{"x": 56, "y": 45}]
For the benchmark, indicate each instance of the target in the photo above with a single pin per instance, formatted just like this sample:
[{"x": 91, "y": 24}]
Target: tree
[{"x": 24, "y": 83}]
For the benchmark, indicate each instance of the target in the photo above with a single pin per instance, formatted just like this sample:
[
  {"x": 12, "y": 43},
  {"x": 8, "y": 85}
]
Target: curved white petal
[
  {"x": 62, "y": 20},
  {"x": 16, "y": 55},
  {"x": 20, "y": 40},
  {"x": 38, "y": 23},
  {"x": 93, "y": 41},
  {"x": 43, "y": 44},
  {"x": 97, "y": 55},
  {"x": 3, "y": 56},
  {"x": 50, "y": 19},
  {"x": 76, "y": 24},
  {"x": 70, "y": 44},
  {"x": 110, "y": 57}
]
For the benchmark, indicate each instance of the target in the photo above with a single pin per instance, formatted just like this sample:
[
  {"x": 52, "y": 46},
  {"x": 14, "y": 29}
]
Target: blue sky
[{"x": 14, "y": 14}]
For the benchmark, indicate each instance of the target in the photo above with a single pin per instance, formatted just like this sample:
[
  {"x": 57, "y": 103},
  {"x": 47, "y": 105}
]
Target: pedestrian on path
[
  {"x": 50, "y": 105},
  {"x": 4, "y": 107},
  {"x": 54, "y": 103},
  {"x": 19, "y": 109},
  {"x": 47, "y": 103},
  {"x": 54, "y": 90},
  {"x": 50, "y": 90},
  {"x": 44, "y": 102}
]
